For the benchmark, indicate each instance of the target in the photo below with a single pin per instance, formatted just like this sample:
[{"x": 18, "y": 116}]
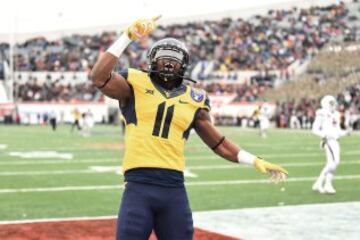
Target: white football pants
[{"x": 332, "y": 151}]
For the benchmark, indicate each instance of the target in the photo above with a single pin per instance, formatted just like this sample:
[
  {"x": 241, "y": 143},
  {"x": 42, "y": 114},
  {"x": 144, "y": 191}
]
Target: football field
[{"x": 45, "y": 174}]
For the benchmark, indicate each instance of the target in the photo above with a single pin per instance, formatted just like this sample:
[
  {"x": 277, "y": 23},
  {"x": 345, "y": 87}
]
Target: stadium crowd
[
  {"x": 302, "y": 113},
  {"x": 261, "y": 43},
  {"x": 56, "y": 91},
  {"x": 245, "y": 92},
  {"x": 272, "y": 41}
]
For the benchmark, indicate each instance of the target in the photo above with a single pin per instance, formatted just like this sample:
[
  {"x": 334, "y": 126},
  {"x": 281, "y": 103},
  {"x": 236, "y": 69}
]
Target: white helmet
[{"x": 328, "y": 103}]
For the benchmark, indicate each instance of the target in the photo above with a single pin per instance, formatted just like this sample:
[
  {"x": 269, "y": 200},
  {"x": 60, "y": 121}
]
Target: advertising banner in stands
[
  {"x": 6, "y": 112},
  {"x": 34, "y": 113},
  {"x": 224, "y": 105}
]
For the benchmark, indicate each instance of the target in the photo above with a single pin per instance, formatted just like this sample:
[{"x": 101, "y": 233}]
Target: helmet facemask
[
  {"x": 168, "y": 73},
  {"x": 168, "y": 64}
]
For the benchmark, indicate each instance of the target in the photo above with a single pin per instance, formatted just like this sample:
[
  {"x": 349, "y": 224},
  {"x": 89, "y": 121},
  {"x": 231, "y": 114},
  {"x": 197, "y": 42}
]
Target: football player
[
  {"x": 264, "y": 120},
  {"x": 327, "y": 127},
  {"x": 160, "y": 110}
]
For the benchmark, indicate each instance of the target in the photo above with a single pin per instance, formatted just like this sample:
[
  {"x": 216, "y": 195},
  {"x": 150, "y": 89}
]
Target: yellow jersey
[
  {"x": 76, "y": 114},
  {"x": 158, "y": 122}
]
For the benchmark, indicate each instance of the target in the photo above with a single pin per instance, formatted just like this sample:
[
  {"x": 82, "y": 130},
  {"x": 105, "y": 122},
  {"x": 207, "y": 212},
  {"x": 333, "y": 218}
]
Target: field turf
[{"x": 88, "y": 185}]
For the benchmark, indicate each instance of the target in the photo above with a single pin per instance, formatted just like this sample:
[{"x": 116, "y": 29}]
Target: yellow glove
[
  {"x": 277, "y": 173},
  {"x": 141, "y": 28}
]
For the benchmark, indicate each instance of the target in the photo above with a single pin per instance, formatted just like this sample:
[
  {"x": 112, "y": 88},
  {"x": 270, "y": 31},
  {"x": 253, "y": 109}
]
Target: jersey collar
[{"x": 170, "y": 94}]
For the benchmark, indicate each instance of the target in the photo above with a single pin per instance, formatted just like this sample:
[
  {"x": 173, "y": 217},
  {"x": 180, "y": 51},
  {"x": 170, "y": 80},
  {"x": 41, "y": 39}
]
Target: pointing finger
[{"x": 156, "y": 18}]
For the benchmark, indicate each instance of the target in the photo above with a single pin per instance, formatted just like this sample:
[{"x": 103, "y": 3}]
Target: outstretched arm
[
  {"x": 213, "y": 138},
  {"x": 230, "y": 151}
]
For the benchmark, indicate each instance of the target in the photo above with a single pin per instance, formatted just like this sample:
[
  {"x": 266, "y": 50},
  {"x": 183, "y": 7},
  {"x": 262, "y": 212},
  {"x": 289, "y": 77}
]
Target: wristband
[
  {"x": 118, "y": 47},
  {"x": 245, "y": 157}
]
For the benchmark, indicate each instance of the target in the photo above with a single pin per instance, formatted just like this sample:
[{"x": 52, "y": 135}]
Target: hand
[
  {"x": 276, "y": 172},
  {"x": 141, "y": 28}
]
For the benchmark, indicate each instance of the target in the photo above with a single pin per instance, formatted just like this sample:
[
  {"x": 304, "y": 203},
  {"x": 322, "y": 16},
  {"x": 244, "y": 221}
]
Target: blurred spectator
[
  {"x": 245, "y": 92},
  {"x": 57, "y": 91},
  {"x": 2, "y": 71},
  {"x": 290, "y": 114}
]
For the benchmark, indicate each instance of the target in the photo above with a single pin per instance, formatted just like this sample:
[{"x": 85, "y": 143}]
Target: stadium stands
[
  {"x": 335, "y": 71},
  {"x": 265, "y": 44}
]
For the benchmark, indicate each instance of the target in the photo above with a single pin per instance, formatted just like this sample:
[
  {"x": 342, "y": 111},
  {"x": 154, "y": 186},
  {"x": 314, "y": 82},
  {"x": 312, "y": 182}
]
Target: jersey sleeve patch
[{"x": 197, "y": 95}]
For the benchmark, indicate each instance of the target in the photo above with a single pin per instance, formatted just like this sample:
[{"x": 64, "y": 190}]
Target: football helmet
[
  {"x": 168, "y": 61},
  {"x": 329, "y": 103}
]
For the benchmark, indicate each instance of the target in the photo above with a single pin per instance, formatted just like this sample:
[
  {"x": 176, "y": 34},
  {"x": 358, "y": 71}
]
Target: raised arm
[
  {"x": 112, "y": 84},
  {"x": 232, "y": 152}
]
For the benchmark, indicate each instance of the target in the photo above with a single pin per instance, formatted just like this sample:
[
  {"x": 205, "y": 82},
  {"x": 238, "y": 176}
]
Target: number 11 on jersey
[{"x": 158, "y": 120}]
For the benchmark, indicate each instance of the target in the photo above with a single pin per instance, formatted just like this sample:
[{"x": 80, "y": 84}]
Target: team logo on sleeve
[{"x": 197, "y": 95}]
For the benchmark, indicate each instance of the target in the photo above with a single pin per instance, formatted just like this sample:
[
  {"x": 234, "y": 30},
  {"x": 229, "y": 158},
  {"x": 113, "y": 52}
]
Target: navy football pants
[{"x": 147, "y": 207}]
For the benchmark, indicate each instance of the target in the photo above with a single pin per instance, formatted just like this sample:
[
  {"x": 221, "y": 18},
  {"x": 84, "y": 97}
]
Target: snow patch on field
[{"x": 316, "y": 221}]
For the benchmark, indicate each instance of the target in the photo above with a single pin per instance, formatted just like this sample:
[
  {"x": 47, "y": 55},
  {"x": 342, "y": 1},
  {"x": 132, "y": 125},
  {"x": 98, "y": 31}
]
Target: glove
[
  {"x": 276, "y": 172},
  {"x": 141, "y": 28}
]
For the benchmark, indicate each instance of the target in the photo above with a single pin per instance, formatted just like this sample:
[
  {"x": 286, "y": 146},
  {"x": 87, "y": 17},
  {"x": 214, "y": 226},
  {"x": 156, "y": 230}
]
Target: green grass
[{"x": 282, "y": 146}]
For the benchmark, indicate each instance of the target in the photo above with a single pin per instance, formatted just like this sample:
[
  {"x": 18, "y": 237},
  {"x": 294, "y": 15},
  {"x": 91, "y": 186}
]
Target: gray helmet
[{"x": 171, "y": 49}]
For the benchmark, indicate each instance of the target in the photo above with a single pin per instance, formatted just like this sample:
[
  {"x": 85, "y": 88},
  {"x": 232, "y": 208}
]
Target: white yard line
[
  {"x": 93, "y": 170},
  {"x": 203, "y": 157},
  {"x": 62, "y": 189},
  {"x": 190, "y": 184},
  {"x": 33, "y": 162},
  {"x": 253, "y": 181},
  {"x": 277, "y": 156},
  {"x": 295, "y": 164},
  {"x": 53, "y": 172}
]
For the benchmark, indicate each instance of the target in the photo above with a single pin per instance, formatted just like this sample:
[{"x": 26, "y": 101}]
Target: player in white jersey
[
  {"x": 88, "y": 123},
  {"x": 264, "y": 120},
  {"x": 327, "y": 127}
]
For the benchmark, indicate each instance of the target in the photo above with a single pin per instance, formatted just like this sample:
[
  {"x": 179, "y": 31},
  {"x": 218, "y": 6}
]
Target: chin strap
[{"x": 177, "y": 75}]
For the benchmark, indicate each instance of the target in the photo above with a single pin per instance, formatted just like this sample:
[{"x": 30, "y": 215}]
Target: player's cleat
[
  {"x": 318, "y": 188},
  {"x": 329, "y": 189}
]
